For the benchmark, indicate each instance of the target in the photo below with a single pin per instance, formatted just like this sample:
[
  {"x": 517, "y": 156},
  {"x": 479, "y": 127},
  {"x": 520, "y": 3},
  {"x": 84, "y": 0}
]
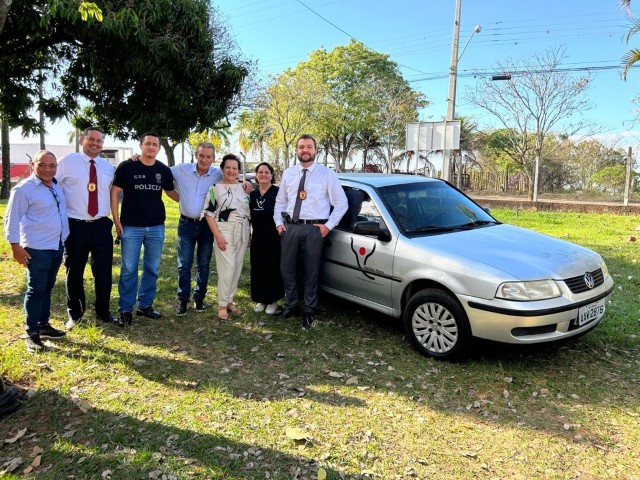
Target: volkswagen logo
[{"x": 589, "y": 281}]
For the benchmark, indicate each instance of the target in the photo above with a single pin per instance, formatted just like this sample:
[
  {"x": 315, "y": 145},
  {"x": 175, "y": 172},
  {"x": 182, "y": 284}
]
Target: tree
[
  {"x": 170, "y": 78},
  {"x": 398, "y": 105},
  {"x": 536, "y": 100},
  {"x": 29, "y": 44},
  {"x": 147, "y": 66},
  {"x": 610, "y": 178},
  {"x": 86, "y": 10},
  {"x": 589, "y": 156},
  {"x": 253, "y": 132},
  {"x": 633, "y": 55},
  {"x": 361, "y": 86},
  {"x": 287, "y": 105}
]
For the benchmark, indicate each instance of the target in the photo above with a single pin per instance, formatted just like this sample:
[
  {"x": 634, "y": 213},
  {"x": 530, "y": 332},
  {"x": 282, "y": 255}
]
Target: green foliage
[
  {"x": 88, "y": 10},
  {"x": 218, "y": 136},
  {"x": 610, "y": 178},
  {"x": 348, "y": 98},
  {"x": 145, "y": 66}
]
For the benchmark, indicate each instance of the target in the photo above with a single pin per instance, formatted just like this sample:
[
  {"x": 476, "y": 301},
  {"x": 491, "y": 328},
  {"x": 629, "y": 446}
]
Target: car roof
[{"x": 384, "y": 179}]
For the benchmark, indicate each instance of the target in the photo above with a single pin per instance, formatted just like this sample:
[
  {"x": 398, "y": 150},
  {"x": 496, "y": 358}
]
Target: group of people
[{"x": 60, "y": 213}]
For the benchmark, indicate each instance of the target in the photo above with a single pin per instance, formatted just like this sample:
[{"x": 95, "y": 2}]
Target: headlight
[
  {"x": 535, "y": 290},
  {"x": 605, "y": 270}
]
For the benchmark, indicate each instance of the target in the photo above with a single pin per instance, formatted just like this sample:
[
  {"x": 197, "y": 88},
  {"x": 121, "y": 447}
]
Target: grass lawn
[{"x": 257, "y": 398}]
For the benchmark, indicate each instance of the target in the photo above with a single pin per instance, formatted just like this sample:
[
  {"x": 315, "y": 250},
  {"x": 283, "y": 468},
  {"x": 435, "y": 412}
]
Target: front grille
[
  {"x": 525, "y": 331},
  {"x": 578, "y": 284}
]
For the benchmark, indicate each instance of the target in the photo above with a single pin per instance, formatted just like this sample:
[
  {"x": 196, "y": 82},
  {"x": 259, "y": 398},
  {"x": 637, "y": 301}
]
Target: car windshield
[{"x": 432, "y": 207}]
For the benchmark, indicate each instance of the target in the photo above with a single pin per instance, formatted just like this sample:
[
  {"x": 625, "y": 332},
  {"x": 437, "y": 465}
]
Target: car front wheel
[{"x": 437, "y": 325}]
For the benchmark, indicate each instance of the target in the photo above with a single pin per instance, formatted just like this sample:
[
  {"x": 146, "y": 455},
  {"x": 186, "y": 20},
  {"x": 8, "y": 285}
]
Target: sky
[{"x": 417, "y": 34}]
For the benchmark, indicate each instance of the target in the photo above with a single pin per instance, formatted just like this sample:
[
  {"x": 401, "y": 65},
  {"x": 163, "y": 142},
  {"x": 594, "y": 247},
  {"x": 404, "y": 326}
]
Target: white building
[{"x": 21, "y": 154}]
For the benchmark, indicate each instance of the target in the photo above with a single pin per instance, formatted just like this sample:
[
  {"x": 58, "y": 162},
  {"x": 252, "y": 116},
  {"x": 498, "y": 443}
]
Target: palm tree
[{"x": 632, "y": 55}]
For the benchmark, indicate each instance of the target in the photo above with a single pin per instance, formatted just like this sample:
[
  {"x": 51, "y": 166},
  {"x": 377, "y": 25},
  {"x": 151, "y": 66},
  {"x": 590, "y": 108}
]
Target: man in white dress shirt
[
  {"x": 86, "y": 180},
  {"x": 303, "y": 217}
]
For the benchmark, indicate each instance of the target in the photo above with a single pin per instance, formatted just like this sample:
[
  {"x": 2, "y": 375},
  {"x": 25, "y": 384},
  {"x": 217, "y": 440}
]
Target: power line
[{"x": 519, "y": 72}]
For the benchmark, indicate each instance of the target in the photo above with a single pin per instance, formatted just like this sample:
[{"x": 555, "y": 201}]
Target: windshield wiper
[
  {"x": 433, "y": 229},
  {"x": 477, "y": 223}
]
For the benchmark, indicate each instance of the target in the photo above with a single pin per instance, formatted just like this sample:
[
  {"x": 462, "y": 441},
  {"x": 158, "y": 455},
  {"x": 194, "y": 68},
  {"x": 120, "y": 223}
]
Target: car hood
[{"x": 524, "y": 254}]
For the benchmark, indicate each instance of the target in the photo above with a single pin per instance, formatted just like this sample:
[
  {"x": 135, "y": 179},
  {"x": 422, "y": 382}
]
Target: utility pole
[
  {"x": 451, "y": 100},
  {"x": 41, "y": 121}
]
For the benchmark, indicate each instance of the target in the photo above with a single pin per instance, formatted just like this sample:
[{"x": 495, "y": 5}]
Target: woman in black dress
[{"x": 264, "y": 251}]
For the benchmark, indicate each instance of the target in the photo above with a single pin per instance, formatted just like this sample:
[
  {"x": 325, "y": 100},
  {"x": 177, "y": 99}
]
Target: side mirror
[{"x": 372, "y": 229}]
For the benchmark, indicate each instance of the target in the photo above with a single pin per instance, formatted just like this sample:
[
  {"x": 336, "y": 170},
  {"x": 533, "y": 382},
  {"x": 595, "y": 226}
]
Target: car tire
[{"x": 437, "y": 325}]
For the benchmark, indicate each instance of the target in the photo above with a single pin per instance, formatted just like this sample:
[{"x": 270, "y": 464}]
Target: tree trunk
[
  {"x": 5, "y": 6},
  {"x": 6, "y": 159},
  {"x": 168, "y": 150}
]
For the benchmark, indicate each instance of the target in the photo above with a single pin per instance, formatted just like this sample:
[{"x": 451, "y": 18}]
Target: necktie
[
  {"x": 93, "y": 189},
  {"x": 301, "y": 196}
]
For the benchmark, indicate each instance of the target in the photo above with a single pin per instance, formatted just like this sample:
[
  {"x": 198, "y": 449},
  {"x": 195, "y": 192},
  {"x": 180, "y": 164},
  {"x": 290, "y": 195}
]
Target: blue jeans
[
  {"x": 133, "y": 239},
  {"x": 41, "y": 278},
  {"x": 190, "y": 235}
]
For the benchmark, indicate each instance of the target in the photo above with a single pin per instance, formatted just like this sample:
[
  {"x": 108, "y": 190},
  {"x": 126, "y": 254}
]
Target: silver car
[{"x": 418, "y": 249}]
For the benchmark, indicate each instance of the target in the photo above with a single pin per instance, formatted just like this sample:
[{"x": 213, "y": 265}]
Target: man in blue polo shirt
[
  {"x": 36, "y": 226},
  {"x": 192, "y": 182}
]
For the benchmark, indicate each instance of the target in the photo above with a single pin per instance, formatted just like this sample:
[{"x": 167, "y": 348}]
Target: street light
[
  {"x": 453, "y": 77},
  {"x": 477, "y": 29}
]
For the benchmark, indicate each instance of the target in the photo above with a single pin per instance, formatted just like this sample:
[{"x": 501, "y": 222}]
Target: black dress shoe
[
  {"x": 47, "y": 331},
  {"x": 34, "y": 344},
  {"x": 126, "y": 318},
  {"x": 107, "y": 318},
  {"x": 308, "y": 319},
  {"x": 149, "y": 312},
  {"x": 286, "y": 313}
]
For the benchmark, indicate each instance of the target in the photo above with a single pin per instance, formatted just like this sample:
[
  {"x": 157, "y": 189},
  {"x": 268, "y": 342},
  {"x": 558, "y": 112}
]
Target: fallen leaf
[
  {"x": 83, "y": 405},
  {"x": 36, "y": 461},
  {"x": 17, "y": 437},
  {"x": 12, "y": 465},
  {"x": 322, "y": 474},
  {"x": 105, "y": 473},
  {"x": 336, "y": 374},
  {"x": 36, "y": 450},
  {"x": 296, "y": 433},
  {"x": 27, "y": 470},
  {"x": 352, "y": 381}
]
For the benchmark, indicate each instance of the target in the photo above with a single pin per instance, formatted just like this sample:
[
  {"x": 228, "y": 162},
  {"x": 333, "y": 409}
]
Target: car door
[{"x": 359, "y": 266}]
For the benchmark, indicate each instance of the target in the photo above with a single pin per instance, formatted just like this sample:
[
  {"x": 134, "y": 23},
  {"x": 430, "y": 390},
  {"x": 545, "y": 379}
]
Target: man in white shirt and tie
[
  {"x": 303, "y": 217},
  {"x": 86, "y": 180}
]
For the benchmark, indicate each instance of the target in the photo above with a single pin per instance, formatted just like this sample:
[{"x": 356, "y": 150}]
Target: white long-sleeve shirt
[{"x": 323, "y": 191}]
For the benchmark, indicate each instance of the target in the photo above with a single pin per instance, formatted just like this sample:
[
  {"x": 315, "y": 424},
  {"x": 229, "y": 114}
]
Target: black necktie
[{"x": 301, "y": 196}]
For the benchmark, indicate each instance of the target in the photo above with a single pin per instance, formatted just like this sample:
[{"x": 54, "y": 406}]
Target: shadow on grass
[{"x": 102, "y": 444}]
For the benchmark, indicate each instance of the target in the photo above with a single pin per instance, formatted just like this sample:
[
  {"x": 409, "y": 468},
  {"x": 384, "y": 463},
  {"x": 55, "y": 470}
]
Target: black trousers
[
  {"x": 88, "y": 238},
  {"x": 301, "y": 243}
]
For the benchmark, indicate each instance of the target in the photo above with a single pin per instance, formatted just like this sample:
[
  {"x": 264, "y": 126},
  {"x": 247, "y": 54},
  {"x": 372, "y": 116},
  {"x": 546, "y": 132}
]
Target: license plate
[{"x": 590, "y": 312}]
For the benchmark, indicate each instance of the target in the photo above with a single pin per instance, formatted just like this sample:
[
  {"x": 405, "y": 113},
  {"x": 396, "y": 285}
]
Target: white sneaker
[
  {"x": 271, "y": 308},
  {"x": 258, "y": 307}
]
